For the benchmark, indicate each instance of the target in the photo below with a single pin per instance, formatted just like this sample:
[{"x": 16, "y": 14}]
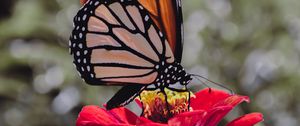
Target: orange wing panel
[
  {"x": 163, "y": 15},
  {"x": 83, "y": 1}
]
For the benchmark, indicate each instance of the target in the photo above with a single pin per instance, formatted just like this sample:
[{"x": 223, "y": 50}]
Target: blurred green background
[{"x": 251, "y": 46}]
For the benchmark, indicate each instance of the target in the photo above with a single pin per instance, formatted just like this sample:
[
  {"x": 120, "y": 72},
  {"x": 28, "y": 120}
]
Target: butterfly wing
[
  {"x": 124, "y": 96},
  {"x": 116, "y": 43},
  {"x": 167, "y": 15}
]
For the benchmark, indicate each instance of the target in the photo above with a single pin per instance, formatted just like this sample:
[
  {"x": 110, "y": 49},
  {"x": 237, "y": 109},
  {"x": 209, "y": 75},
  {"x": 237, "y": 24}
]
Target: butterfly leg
[
  {"x": 189, "y": 98},
  {"x": 166, "y": 100}
]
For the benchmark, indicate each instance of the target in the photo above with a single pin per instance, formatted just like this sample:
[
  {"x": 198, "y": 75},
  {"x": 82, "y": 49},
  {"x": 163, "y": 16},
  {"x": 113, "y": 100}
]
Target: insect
[{"x": 129, "y": 43}]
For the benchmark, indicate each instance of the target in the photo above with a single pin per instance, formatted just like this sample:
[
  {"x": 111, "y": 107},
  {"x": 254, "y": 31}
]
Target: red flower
[{"x": 209, "y": 107}]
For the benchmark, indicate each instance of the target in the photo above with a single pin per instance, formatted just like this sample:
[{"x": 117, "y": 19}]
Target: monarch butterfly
[{"x": 129, "y": 43}]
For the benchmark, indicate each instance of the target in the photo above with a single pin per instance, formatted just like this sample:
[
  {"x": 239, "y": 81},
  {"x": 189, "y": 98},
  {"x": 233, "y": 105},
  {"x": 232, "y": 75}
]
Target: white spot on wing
[
  {"x": 77, "y": 53},
  {"x": 88, "y": 68},
  {"x": 80, "y": 45},
  {"x": 85, "y": 52},
  {"x": 96, "y": 3},
  {"x": 146, "y": 18},
  {"x": 84, "y": 17}
]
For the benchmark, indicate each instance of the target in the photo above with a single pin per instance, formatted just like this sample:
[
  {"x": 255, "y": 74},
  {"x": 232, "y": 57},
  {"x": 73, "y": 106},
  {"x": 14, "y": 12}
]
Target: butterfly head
[
  {"x": 186, "y": 79},
  {"x": 181, "y": 75}
]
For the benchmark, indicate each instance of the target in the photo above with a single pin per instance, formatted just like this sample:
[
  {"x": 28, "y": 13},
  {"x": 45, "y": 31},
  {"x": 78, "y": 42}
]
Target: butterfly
[{"x": 129, "y": 43}]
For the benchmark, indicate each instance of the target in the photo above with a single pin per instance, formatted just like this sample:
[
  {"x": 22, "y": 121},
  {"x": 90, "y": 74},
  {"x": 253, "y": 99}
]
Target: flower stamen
[{"x": 159, "y": 106}]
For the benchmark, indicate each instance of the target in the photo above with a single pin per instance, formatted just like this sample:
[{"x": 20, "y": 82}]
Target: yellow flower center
[{"x": 155, "y": 107}]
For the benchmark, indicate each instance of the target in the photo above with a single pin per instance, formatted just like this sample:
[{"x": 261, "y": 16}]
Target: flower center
[{"x": 157, "y": 109}]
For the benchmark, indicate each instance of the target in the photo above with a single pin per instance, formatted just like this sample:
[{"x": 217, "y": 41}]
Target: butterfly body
[
  {"x": 171, "y": 74},
  {"x": 125, "y": 43}
]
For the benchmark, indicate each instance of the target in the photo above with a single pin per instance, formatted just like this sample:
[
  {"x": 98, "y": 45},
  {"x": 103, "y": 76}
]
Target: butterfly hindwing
[{"x": 124, "y": 96}]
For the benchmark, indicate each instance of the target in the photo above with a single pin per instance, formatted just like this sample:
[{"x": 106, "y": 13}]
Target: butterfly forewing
[
  {"x": 115, "y": 42},
  {"x": 167, "y": 15}
]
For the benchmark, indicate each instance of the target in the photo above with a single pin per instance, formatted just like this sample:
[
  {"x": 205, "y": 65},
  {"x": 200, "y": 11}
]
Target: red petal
[
  {"x": 146, "y": 122},
  {"x": 217, "y": 102},
  {"x": 124, "y": 115},
  {"x": 215, "y": 115},
  {"x": 247, "y": 120},
  {"x": 194, "y": 118},
  {"x": 207, "y": 98},
  {"x": 210, "y": 98},
  {"x": 233, "y": 101},
  {"x": 96, "y": 116}
]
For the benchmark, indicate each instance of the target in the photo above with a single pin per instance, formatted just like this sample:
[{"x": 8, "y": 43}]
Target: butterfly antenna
[
  {"x": 198, "y": 77},
  {"x": 206, "y": 85}
]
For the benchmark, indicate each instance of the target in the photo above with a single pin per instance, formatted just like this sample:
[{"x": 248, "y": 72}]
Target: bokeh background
[{"x": 251, "y": 46}]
